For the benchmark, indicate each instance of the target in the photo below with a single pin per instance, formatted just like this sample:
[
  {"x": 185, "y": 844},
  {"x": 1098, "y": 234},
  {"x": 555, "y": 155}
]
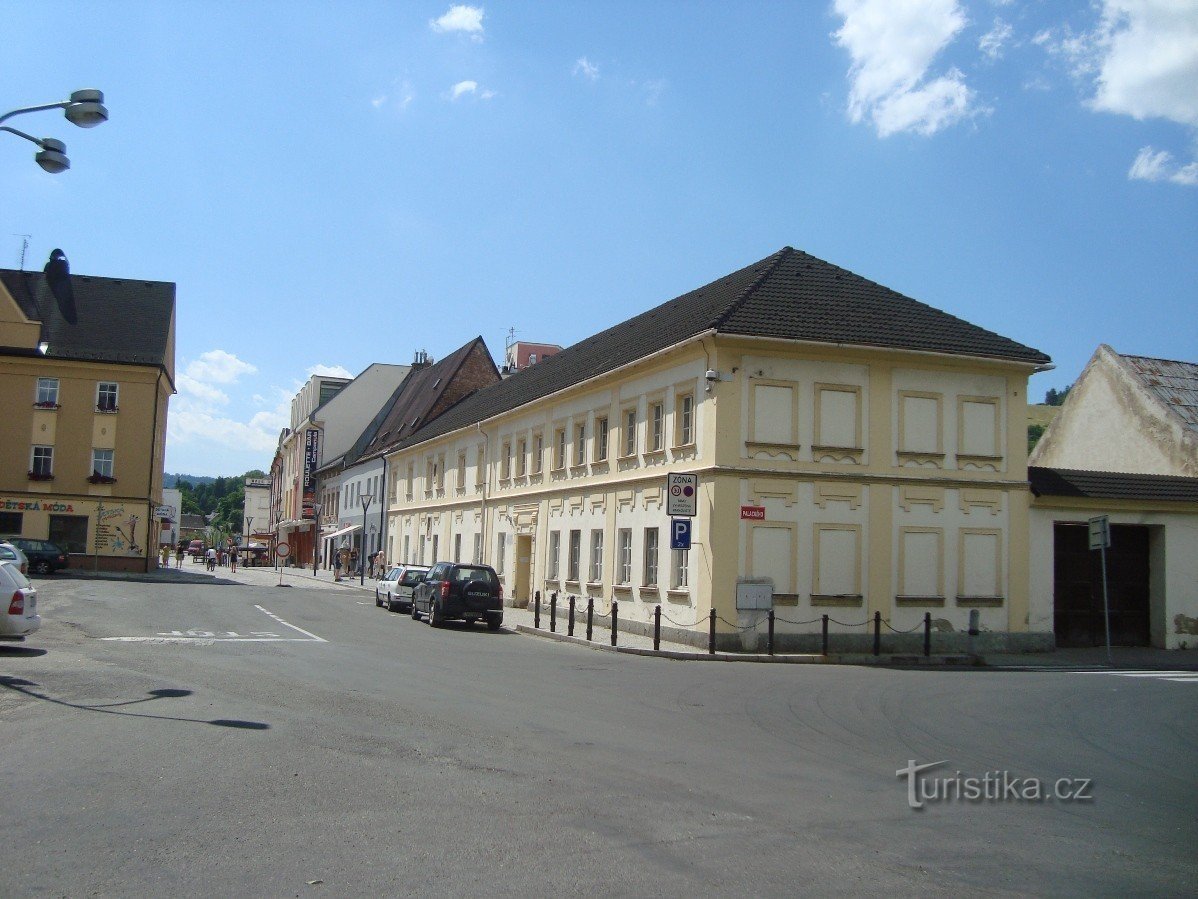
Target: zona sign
[{"x": 682, "y": 495}]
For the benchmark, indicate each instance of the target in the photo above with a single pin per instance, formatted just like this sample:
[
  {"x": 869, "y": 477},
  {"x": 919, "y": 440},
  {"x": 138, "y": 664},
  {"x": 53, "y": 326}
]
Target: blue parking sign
[{"x": 680, "y": 533}]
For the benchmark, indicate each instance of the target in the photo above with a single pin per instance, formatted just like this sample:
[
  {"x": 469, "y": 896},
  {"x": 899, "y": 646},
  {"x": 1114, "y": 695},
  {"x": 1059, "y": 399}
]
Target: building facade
[
  {"x": 86, "y": 377},
  {"x": 856, "y": 451}
]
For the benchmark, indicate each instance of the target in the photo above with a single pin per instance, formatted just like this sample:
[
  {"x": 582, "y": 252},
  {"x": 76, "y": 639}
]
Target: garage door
[{"x": 1077, "y": 586}]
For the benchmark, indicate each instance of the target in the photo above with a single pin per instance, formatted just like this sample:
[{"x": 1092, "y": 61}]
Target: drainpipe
[
  {"x": 486, "y": 478},
  {"x": 385, "y": 500}
]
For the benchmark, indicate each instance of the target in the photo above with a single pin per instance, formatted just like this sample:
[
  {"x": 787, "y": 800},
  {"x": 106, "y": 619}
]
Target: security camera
[{"x": 712, "y": 375}]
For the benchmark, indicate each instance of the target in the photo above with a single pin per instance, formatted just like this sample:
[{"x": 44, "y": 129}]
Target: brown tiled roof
[
  {"x": 116, "y": 320},
  {"x": 790, "y": 295},
  {"x": 1111, "y": 485},
  {"x": 1175, "y": 384}
]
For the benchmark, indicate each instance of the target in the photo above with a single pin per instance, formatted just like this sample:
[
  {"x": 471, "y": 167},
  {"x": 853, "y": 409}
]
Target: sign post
[
  {"x": 1100, "y": 539},
  {"x": 282, "y": 551}
]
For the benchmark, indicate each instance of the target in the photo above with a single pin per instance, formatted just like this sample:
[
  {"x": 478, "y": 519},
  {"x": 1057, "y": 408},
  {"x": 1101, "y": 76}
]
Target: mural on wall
[{"x": 116, "y": 532}]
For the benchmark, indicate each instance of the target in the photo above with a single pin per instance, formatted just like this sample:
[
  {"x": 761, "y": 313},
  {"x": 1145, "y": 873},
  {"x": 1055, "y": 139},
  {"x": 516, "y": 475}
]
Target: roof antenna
[{"x": 24, "y": 247}]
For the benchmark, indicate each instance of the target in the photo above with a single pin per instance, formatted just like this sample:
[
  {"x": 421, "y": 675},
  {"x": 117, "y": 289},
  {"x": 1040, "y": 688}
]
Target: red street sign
[{"x": 753, "y": 513}]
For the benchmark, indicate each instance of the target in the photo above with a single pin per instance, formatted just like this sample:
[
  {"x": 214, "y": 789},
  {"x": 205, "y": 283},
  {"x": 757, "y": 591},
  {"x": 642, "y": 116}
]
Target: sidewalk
[{"x": 1139, "y": 658}]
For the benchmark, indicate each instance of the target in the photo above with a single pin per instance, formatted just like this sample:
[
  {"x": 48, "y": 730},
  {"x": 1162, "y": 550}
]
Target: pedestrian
[
  {"x": 336, "y": 566},
  {"x": 179, "y": 553},
  {"x": 233, "y": 561},
  {"x": 210, "y": 556}
]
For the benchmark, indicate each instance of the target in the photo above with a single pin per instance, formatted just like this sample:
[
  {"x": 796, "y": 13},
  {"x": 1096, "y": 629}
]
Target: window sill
[
  {"x": 578, "y": 470},
  {"x": 573, "y": 584},
  {"x": 920, "y": 458},
  {"x": 47, "y": 407},
  {"x": 841, "y": 600},
  {"x": 106, "y": 411},
  {"x": 594, "y": 585},
  {"x": 657, "y": 454},
  {"x": 980, "y": 602},
  {"x": 100, "y": 479},
  {"x": 679, "y": 595},
  {"x": 620, "y": 588},
  {"x": 965, "y": 461},
  {"x": 820, "y": 453},
  {"x": 40, "y": 477},
  {"x": 933, "y": 601}
]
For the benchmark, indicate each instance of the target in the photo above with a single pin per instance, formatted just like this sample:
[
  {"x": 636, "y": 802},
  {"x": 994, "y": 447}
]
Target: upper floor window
[
  {"x": 47, "y": 393},
  {"x": 102, "y": 463},
  {"x": 521, "y": 458},
  {"x": 630, "y": 432},
  {"x": 686, "y": 419},
  {"x": 41, "y": 463},
  {"x": 538, "y": 450},
  {"x": 462, "y": 470},
  {"x": 532, "y": 358},
  {"x": 106, "y": 396},
  {"x": 580, "y": 445},
  {"x": 505, "y": 463},
  {"x": 657, "y": 427},
  {"x": 601, "y": 439},
  {"x": 559, "y": 448}
]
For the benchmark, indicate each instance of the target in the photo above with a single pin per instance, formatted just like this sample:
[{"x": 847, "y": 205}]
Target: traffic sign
[
  {"x": 680, "y": 533},
  {"x": 1100, "y": 532},
  {"x": 282, "y": 550},
  {"x": 682, "y": 495}
]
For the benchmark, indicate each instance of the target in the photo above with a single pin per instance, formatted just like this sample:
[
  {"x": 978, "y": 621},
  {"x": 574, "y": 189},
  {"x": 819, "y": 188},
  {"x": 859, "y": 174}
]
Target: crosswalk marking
[{"x": 1177, "y": 677}]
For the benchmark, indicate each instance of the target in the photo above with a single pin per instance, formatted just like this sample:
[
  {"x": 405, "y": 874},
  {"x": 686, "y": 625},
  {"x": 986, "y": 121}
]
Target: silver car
[
  {"x": 394, "y": 589},
  {"x": 18, "y": 603},
  {"x": 11, "y": 553}
]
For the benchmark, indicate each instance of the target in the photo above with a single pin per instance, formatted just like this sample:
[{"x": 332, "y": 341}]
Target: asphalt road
[{"x": 252, "y": 740}]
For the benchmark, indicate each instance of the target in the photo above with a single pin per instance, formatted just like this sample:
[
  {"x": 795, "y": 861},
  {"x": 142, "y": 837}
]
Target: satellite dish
[{"x": 58, "y": 279}]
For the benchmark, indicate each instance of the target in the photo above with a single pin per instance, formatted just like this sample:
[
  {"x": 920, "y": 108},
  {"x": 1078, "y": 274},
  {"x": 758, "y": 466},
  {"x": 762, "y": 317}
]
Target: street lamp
[
  {"x": 366, "y": 499},
  {"x": 85, "y": 109},
  {"x": 249, "y": 539}
]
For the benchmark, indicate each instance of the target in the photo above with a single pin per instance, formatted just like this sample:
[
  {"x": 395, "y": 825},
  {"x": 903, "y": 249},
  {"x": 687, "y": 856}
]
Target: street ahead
[{"x": 255, "y": 740}]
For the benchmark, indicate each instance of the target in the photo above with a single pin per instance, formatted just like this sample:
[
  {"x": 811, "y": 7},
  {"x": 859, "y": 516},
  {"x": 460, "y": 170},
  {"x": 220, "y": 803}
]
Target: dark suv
[
  {"x": 458, "y": 590},
  {"x": 44, "y": 557}
]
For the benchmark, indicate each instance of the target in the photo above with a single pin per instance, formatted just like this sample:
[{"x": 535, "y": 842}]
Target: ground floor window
[
  {"x": 10, "y": 523},
  {"x": 69, "y": 532},
  {"x": 651, "y": 557},
  {"x": 681, "y": 563}
]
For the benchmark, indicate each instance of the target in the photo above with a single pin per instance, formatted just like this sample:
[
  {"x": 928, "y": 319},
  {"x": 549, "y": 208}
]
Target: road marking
[{"x": 207, "y": 638}]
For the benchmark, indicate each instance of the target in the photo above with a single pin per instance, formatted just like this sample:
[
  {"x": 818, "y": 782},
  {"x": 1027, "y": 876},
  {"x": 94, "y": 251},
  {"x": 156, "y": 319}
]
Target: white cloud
[
  {"x": 191, "y": 387},
  {"x": 466, "y": 19},
  {"x": 586, "y": 69},
  {"x": 993, "y": 41},
  {"x": 462, "y": 88},
  {"x": 218, "y": 367},
  {"x": 1158, "y": 165},
  {"x": 653, "y": 89},
  {"x": 892, "y": 46},
  {"x": 330, "y": 371},
  {"x": 401, "y": 97}
]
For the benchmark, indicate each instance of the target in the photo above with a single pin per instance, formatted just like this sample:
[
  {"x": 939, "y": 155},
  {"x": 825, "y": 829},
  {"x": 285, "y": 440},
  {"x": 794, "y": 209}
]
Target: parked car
[
  {"x": 395, "y": 587},
  {"x": 195, "y": 549},
  {"x": 11, "y": 553},
  {"x": 459, "y": 590},
  {"x": 44, "y": 557},
  {"x": 18, "y": 603}
]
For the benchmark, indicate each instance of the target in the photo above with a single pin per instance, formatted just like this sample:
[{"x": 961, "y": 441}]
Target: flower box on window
[
  {"x": 97, "y": 478},
  {"x": 40, "y": 476},
  {"x": 48, "y": 404},
  {"x": 107, "y": 408}
]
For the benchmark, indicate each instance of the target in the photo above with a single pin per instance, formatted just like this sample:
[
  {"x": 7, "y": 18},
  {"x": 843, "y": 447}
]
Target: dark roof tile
[{"x": 1111, "y": 485}]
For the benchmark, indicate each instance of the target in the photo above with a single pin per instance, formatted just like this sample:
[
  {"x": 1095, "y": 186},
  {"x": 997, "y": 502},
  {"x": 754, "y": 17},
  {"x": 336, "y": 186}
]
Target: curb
[{"x": 889, "y": 661}]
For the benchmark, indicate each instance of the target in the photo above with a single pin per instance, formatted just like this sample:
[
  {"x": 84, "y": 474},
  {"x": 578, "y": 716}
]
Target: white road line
[{"x": 292, "y": 626}]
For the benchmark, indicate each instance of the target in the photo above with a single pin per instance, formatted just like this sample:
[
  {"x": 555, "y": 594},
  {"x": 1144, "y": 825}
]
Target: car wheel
[
  {"x": 391, "y": 605},
  {"x": 435, "y": 618},
  {"x": 414, "y": 612},
  {"x": 493, "y": 622},
  {"x": 378, "y": 600},
  {"x": 42, "y": 567}
]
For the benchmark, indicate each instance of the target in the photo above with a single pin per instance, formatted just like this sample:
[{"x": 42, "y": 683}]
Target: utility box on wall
[{"x": 754, "y": 595}]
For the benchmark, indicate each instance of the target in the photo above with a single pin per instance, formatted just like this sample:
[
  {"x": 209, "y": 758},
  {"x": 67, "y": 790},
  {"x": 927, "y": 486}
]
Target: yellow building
[
  {"x": 86, "y": 372},
  {"x": 857, "y": 452}
]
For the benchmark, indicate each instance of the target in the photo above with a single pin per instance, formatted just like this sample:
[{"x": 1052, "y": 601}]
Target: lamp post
[
  {"x": 249, "y": 538},
  {"x": 85, "y": 108},
  {"x": 366, "y": 499},
  {"x": 316, "y": 538}
]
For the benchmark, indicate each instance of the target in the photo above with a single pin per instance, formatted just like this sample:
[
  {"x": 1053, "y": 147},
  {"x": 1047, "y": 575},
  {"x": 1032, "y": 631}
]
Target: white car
[
  {"x": 11, "y": 553},
  {"x": 394, "y": 589},
  {"x": 18, "y": 604}
]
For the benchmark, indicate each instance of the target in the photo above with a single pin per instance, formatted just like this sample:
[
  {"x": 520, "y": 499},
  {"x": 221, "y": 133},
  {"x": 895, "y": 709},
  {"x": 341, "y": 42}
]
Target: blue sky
[{"x": 332, "y": 185}]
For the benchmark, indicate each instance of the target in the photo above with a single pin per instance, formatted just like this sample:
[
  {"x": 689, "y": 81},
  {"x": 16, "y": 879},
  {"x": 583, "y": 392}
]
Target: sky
[{"x": 332, "y": 185}]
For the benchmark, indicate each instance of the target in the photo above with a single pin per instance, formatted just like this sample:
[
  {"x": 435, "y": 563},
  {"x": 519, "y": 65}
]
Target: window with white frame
[
  {"x": 679, "y": 567},
  {"x": 555, "y": 554},
  {"x": 47, "y": 392},
  {"x": 657, "y": 421},
  {"x": 478, "y": 549},
  {"x": 575, "y": 561},
  {"x": 441, "y": 472},
  {"x": 559, "y": 449},
  {"x": 500, "y": 545},
  {"x": 410, "y": 479},
  {"x": 480, "y": 471},
  {"x": 685, "y": 413},
  {"x": 538, "y": 452},
  {"x": 596, "y": 574},
  {"x": 624, "y": 556},
  {"x": 601, "y": 439},
  {"x": 102, "y": 463},
  {"x": 407, "y": 547},
  {"x": 436, "y": 548},
  {"x": 580, "y": 444},
  {"x": 522, "y": 458},
  {"x": 650, "y": 578},
  {"x": 630, "y": 432},
  {"x": 106, "y": 396},
  {"x": 421, "y": 540},
  {"x": 461, "y": 484},
  {"x": 505, "y": 462},
  {"x": 42, "y": 461},
  {"x": 457, "y": 547}
]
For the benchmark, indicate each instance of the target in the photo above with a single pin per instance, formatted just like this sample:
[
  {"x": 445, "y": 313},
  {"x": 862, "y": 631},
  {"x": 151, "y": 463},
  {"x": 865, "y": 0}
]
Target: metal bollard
[
  {"x": 570, "y": 626},
  {"x": 711, "y": 635},
  {"x": 877, "y": 633},
  {"x": 590, "y": 615},
  {"x": 614, "y": 614},
  {"x": 825, "y": 632},
  {"x": 536, "y": 611},
  {"x": 553, "y": 612},
  {"x": 927, "y": 634},
  {"x": 657, "y": 628},
  {"x": 769, "y": 646}
]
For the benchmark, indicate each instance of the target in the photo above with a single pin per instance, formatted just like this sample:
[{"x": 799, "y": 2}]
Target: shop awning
[{"x": 332, "y": 534}]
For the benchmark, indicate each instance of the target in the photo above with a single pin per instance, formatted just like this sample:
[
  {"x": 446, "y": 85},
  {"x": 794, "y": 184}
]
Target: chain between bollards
[
  {"x": 570, "y": 626},
  {"x": 590, "y": 616}
]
